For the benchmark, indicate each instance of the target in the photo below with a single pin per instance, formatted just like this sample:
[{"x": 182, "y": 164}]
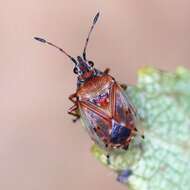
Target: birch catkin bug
[{"x": 100, "y": 102}]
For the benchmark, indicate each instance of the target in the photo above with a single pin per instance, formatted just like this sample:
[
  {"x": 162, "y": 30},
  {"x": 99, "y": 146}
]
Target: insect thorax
[{"x": 80, "y": 82}]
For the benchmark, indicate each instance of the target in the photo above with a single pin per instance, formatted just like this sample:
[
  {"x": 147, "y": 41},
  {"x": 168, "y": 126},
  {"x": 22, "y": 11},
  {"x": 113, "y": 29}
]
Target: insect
[{"x": 100, "y": 101}]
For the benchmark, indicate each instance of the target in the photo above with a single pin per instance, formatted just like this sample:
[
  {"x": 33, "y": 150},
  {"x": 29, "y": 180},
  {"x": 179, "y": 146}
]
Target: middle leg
[{"x": 75, "y": 112}]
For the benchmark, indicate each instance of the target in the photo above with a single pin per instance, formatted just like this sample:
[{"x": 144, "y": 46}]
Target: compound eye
[
  {"x": 91, "y": 63},
  {"x": 75, "y": 70}
]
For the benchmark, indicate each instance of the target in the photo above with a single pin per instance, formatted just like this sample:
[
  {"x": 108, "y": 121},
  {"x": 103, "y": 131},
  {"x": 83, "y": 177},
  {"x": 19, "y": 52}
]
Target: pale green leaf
[{"x": 162, "y": 160}]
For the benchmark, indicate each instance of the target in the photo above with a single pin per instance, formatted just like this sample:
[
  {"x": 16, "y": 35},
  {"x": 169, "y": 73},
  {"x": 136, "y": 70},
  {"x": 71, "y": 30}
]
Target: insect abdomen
[{"x": 107, "y": 115}]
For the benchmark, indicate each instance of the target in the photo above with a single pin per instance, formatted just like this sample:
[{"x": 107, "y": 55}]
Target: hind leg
[
  {"x": 124, "y": 86},
  {"x": 74, "y": 111}
]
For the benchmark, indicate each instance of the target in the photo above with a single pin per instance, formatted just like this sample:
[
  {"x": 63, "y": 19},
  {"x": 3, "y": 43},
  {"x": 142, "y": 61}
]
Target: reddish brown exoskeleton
[{"x": 101, "y": 103}]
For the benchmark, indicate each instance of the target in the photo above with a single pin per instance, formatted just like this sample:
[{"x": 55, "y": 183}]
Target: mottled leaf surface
[{"x": 162, "y": 160}]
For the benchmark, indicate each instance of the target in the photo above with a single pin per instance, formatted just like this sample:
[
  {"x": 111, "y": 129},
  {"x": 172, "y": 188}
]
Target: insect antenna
[
  {"x": 60, "y": 49},
  {"x": 88, "y": 37}
]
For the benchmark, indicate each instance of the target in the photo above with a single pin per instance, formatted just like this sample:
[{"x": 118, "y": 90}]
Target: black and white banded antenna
[
  {"x": 89, "y": 34},
  {"x": 57, "y": 47}
]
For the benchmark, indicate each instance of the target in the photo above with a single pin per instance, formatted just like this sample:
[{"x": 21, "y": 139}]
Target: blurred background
[{"x": 40, "y": 147}]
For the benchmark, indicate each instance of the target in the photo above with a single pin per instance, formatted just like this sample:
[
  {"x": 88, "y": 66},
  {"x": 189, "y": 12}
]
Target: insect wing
[
  {"x": 124, "y": 110},
  {"x": 96, "y": 125},
  {"x": 103, "y": 101}
]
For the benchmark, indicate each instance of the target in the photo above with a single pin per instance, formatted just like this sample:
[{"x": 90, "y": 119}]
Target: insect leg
[
  {"x": 136, "y": 132},
  {"x": 126, "y": 146},
  {"x": 73, "y": 98},
  {"x": 108, "y": 159},
  {"x": 73, "y": 111},
  {"x": 99, "y": 132},
  {"x": 124, "y": 86},
  {"x": 106, "y": 71}
]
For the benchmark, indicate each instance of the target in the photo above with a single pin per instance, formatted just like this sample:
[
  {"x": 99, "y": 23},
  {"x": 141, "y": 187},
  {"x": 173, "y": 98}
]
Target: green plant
[{"x": 162, "y": 160}]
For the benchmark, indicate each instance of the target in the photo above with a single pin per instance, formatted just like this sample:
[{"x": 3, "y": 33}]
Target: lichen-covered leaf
[{"x": 162, "y": 160}]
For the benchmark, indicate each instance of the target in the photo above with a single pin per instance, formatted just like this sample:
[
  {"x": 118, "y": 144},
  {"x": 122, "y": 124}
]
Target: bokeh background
[{"x": 40, "y": 147}]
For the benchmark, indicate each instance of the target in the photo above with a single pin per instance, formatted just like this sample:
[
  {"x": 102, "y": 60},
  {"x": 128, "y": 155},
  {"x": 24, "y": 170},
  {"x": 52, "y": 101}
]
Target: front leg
[
  {"x": 74, "y": 109},
  {"x": 73, "y": 98}
]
